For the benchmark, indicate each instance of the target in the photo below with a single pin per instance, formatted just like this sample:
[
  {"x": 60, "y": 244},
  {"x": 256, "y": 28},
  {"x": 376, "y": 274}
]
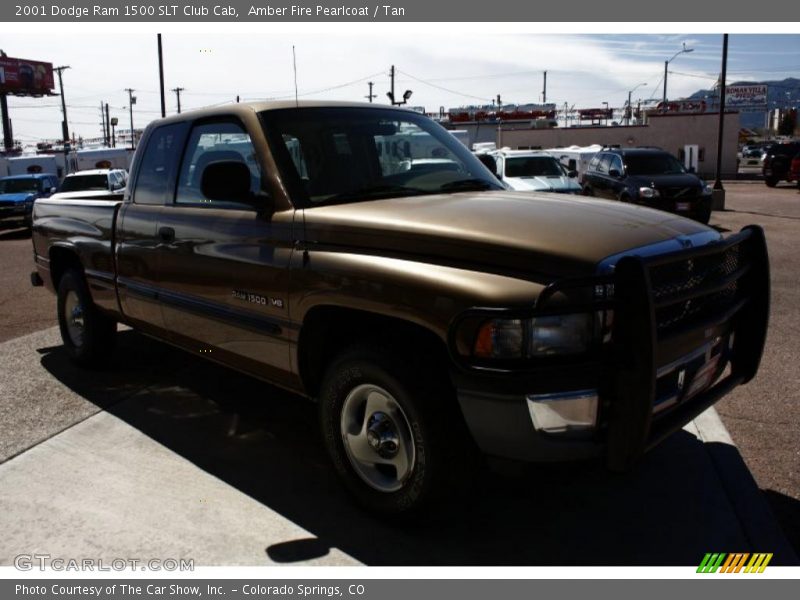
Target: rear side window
[
  {"x": 602, "y": 166},
  {"x": 210, "y": 143},
  {"x": 155, "y": 180}
]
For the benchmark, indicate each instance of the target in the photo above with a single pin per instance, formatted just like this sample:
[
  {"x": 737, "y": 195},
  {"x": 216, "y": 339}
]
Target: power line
[{"x": 433, "y": 85}]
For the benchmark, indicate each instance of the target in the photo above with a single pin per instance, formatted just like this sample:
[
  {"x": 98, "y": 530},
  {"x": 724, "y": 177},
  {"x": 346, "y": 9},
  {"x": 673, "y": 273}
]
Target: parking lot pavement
[{"x": 166, "y": 455}]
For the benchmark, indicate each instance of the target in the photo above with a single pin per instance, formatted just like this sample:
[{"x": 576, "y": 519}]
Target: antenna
[{"x": 294, "y": 65}]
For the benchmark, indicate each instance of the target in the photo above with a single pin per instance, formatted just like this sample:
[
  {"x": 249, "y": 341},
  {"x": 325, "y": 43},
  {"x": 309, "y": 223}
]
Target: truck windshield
[
  {"x": 19, "y": 186},
  {"x": 653, "y": 164},
  {"x": 80, "y": 183},
  {"x": 533, "y": 166},
  {"x": 335, "y": 155}
]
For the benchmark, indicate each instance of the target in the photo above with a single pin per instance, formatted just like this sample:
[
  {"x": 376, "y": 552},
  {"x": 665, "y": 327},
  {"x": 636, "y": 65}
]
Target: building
[{"x": 672, "y": 132}]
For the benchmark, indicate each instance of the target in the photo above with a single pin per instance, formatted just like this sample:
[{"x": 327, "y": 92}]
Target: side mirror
[
  {"x": 226, "y": 180},
  {"x": 490, "y": 163},
  {"x": 572, "y": 174},
  {"x": 613, "y": 173}
]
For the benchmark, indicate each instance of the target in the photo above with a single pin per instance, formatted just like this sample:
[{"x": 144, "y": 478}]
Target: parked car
[
  {"x": 428, "y": 311},
  {"x": 18, "y": 193},
  {"x": 95, "y": 183},
  {"x": 648, "y": 177},
  {"x": 777, "y": 159},
  {"x": 533, "y": 171},
  {"x": 794, "y": 170}
]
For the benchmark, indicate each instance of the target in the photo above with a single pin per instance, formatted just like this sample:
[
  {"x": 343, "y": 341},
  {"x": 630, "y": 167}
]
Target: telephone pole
[
  {"x": 178, "y": 91},
  {"x": 161, "y": 78},
  {"x": 64, "y": 124},
  {"x": 544, "y": 89},
  {"x": 103, "y": 123},
  {"x": 131, "y": 102},
  {"x": 370, "y": 96},
  {"x": 108, "y": 128},
  {"x": 391, "y": 76}
]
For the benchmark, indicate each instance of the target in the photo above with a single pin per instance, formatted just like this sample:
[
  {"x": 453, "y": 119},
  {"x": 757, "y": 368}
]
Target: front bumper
[
  {"x": 15, "y": 212},
  {"x": 650, "y": 379}
]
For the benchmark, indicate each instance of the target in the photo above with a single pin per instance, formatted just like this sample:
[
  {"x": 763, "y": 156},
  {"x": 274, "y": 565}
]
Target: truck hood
[
  {"x": 543, "y": 184},
  {"x": 20, "y": 197},
  {"x": 540, "y": 236}
]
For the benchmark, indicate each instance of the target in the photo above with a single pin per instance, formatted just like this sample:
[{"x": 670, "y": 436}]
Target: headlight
[
  {"x": 648, "y": 192},
  {"x": 553, "y": 335},
  {"x": 707, "y": 190}
]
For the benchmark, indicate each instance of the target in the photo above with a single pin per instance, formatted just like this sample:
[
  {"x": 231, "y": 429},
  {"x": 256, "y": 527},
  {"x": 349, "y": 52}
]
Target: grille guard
[{"x": 638, "y": 338}]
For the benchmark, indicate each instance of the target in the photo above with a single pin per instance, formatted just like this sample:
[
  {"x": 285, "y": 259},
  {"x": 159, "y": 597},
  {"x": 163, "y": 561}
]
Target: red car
[{"x": 794, "y": 170}]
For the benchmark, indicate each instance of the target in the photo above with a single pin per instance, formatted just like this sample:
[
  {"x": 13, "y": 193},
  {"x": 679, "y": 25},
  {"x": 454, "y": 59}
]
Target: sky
[{"x": 448, "y": 69}]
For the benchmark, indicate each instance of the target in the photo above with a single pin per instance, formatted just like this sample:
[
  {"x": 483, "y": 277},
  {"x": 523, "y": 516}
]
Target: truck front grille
[{"x": 693, "y": 289}]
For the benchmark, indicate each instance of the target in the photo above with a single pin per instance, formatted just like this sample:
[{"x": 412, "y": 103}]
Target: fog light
[{"x": 563, "y": 412}]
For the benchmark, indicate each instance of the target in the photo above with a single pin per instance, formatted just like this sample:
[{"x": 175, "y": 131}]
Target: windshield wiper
[
  {"x": 466, "y": 185},
  {"x": 377, "y": 191}
]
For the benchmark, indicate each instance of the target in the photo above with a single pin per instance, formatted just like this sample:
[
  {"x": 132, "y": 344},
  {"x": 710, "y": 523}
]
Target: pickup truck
[{"x": 429, "y": 312}]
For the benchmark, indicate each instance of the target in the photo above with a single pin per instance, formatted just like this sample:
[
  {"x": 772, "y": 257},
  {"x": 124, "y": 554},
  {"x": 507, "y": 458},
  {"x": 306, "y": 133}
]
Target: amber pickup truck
[{"x": 362, "y": 257}]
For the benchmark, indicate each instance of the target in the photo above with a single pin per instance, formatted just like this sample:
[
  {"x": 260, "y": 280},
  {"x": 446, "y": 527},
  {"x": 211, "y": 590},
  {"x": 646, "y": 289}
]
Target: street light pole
[
  {"x": 131, "y": 102},
  {"x": 628, "y": 107},
  {"x": 723, "y": 74},
  {"x": 64, "y": 124},
  {"x": 683, "y": 50}
]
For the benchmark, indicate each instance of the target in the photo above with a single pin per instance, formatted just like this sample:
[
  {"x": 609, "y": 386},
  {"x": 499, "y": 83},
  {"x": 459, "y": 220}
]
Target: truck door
[
  {"x": 224, "y": 264},
  {"x": 137, "y": 244}
]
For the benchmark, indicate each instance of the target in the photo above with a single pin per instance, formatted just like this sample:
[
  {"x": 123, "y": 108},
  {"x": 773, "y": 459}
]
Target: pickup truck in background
[{"x": 428, "y": 311}]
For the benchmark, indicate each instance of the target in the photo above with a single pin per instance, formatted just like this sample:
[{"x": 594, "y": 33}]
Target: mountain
[{"x": 780, "y": 94}]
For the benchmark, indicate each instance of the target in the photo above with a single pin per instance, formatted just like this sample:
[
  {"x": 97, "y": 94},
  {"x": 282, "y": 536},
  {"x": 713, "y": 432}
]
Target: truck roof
[{"x": 250, "y": 107}]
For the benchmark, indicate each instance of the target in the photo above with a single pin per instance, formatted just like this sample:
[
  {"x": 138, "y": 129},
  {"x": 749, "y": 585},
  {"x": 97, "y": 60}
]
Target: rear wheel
[
  {"x": 771, "y": 181},
  {"x": 588, "y": 191},
  {"x": 88, "y": 334},
  {"x": 393, "y": 432}
]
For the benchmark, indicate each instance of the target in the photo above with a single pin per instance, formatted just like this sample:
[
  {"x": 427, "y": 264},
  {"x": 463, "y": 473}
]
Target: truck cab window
[
  {"x": 156, "y": 175},
  {"x": 211, "y": 143}
]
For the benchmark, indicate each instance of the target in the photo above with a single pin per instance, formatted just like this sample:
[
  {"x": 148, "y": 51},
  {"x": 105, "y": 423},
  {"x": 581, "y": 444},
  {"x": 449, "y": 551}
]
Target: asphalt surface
[{"x": 694, "y": 493}]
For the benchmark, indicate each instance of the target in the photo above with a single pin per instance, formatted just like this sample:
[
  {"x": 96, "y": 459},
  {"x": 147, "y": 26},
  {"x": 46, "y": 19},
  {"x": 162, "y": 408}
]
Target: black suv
[
  {"x": 648, "y": 176},
  {"x": 777, "y": 160}
]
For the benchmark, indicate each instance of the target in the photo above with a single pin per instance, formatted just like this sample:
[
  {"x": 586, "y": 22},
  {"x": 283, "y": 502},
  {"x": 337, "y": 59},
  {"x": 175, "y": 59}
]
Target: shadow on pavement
[{"x": 265, "y": 442}]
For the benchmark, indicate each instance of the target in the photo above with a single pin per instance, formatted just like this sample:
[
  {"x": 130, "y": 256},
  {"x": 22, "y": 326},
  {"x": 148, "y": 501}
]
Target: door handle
[{"x": 166, "y": 234}]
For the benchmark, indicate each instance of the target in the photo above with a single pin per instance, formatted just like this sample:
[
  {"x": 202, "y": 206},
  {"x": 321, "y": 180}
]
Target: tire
[
  {"x": 88, "y": 334},
  {"x": 587, "y": 191},
  {"x": 387, "y": 428},
  {"x": 771, "y": 181},
  {"x": 625, "y": 198},
  {"x": 704, "y": 217}
]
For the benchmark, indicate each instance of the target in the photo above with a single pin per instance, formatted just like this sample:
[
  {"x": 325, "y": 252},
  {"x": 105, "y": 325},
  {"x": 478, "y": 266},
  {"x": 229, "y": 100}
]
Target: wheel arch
[{"x": 329, "y": 329}]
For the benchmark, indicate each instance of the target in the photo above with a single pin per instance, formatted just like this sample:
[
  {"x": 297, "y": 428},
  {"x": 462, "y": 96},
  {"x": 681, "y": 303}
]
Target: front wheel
[
  {"x": 771, "y": 181},
  {"x": 388, "y": 431},
  {"x": 88, "y": 334}
]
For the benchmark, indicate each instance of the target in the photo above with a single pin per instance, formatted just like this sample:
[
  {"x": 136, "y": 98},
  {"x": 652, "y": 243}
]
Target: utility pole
[
  {"x": 370, "y": 96},
  {"x": 391, "y": 76},
  {"x": 723, "y": 75},
  {"x": 178, "y": 91},
  {"x": 544, "y": 90},
  {"x": 8, "y": 139},
  {"x": 499, "y": 103},
  {"x": 161, "y": 79},
  {"x": 103, "y": 123},
  {"x": 108, "y": 128},
  {"x": 131, "y": 102},
  {"x": 64, "y": 124}
]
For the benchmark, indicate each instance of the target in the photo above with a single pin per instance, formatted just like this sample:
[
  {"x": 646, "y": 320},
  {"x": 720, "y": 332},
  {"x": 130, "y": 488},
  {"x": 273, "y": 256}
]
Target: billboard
[
  {"x": 22, "y": 77},
  {"x": 746, "y": 97}
]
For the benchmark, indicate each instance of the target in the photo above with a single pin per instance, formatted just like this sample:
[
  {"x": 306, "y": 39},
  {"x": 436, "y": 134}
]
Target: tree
[{"x": 788, "y": 122}]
